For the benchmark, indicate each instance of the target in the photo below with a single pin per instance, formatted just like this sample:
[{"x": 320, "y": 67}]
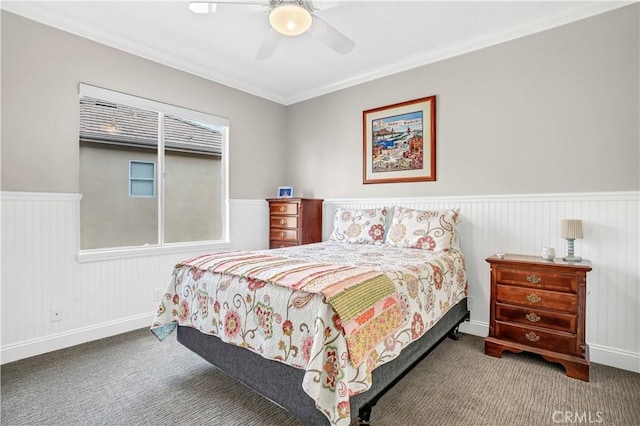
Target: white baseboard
[
  {"x": 614, "y": 357},
  {"x": 597, "y": 354},
  {"x": 476, "y": 328},
  {"x": 29, "y": 348}
]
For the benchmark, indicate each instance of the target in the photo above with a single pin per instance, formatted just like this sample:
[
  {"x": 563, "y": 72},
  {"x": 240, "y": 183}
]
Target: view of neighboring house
[{"x": 119, "y": 177}]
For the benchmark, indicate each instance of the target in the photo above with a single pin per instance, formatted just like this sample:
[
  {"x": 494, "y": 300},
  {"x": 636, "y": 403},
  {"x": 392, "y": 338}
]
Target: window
[
  {"x": 172, "y": 161},
  {"x": 142, "y": 179}
]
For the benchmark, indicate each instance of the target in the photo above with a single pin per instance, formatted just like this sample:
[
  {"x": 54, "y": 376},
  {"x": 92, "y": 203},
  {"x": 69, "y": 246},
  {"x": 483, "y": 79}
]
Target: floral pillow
[
  {"x": 362, "y": 226},
  {"x": 424, "y": 229}
]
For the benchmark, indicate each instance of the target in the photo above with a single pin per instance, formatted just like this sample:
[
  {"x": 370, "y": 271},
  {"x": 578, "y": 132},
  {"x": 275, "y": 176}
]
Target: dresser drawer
[
  {"x": 556, "y": 341},
  {"x": 283, "y": 221},
  {"x": 284, "y": 235},
  {"x": 283, "y": 208},
  {"x": 538, "y": 317},
  {"x": 537, "y": 278},
  {"x": 294, "y": 221},
  {"x": 537, "y": 298},
  {"x": 281, "y": 244}
]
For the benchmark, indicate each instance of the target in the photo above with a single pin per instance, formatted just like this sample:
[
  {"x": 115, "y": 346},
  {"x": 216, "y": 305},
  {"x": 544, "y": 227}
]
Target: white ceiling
[{"x": 390, "y": 36}]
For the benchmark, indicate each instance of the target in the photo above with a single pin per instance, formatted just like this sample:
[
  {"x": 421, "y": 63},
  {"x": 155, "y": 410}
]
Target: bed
[{"x": 341, "y": 320}]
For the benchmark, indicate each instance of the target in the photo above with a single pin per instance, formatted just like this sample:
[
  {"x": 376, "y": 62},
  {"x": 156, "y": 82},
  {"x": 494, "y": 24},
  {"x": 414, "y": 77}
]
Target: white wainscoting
[
  {"x": 105, "y": 297},
  {"x": 98, "y": 298},
  {"x": 524, "y": 224}
]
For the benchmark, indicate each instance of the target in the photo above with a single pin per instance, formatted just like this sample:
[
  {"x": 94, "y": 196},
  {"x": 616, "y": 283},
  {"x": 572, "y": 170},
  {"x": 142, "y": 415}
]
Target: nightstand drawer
[
  {"x": 536, "y": 278},
  {"x": 284, "y": 235},
  {"x": 556, "y": 341},
  {"x": 537, "y": 298},
  {"x": 538, "y": 317},
  {"x": 283, "y": 208},
  {"x": 283, "y": 222}
]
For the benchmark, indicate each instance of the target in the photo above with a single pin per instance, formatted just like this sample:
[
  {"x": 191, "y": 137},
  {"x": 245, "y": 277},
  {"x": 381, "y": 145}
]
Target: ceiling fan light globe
[{"x": 290, "y": 19}]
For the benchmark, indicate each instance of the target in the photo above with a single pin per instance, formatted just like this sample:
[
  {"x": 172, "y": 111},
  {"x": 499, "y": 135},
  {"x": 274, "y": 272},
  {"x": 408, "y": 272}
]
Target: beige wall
[
  {"x": 41, "y": 69},
  {"x": 553, "y": 112},
  {"x": 548, "y": 113},
  {"x": 193, "y": 195},
  {"x": 109, "y": 217}
]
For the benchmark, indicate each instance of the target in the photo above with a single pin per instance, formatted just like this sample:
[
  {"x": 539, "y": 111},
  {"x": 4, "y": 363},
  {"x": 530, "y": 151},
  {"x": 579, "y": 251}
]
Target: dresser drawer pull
[
  {"x": 281, "y": 221},
  {"x": 532, "y": 337},
  {"x": 282, "y": 208},
  {"x": 534, "y": 279},
  {"x": 282, "y": 234},
  {"x": 532, "y": 317},
  {"x": 533, "y": 298}
]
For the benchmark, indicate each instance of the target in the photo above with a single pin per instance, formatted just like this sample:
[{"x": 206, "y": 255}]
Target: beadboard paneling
[
  {"x": 524, "y": 224},
  {"x": 103, "y": 297},
  {"x": 97, "y": 298}
]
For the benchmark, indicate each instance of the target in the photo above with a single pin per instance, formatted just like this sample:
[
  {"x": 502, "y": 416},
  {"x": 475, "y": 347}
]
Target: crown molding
[{"x": 585, "y": 10}]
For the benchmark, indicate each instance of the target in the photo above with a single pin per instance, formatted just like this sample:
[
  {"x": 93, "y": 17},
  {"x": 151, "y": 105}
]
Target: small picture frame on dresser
[{"x": 285, "y": 191}]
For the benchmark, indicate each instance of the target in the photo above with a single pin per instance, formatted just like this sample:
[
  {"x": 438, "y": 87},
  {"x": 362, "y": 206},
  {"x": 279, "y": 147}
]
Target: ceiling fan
[{"x": 289, "y": 18}]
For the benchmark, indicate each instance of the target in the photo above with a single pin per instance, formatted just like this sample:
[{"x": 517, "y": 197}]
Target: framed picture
[
  {"x": 399, "y": 142},
  {"x": 285, "y": 191}
]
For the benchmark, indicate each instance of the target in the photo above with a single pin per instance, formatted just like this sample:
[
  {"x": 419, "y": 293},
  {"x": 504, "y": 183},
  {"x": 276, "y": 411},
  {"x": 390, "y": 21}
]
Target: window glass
[
  {"x": 141, "y": 170},
  {"x": 148, "y": 176},
  {"x": 193, "y": 172}
]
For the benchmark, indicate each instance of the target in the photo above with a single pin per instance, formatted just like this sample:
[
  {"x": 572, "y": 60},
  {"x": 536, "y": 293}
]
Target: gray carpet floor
[{"x": 133, "y": 379}]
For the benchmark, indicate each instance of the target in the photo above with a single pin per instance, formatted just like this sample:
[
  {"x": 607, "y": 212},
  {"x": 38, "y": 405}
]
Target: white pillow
[{"x": 359, "y": 226}]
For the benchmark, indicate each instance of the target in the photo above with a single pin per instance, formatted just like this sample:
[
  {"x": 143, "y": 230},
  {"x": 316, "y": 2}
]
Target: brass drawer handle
[
  {"x": 532, "y": 317},
  {"x": 282, "y": 234},
  {"x": 533, "y": 298},
  {"x": 534, "y": 279},
  {"x": 532, "y": 337},
  {"x": 281, "y": 208},
  {"x": 281, "y": 221}
]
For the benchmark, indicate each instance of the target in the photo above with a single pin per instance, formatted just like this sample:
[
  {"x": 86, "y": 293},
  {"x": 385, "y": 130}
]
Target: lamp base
[{"x": 572, "y": 258}]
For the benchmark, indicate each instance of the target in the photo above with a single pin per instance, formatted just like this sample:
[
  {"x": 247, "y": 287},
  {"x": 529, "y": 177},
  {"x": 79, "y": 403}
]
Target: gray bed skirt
[{"x": 282, "y": 384}]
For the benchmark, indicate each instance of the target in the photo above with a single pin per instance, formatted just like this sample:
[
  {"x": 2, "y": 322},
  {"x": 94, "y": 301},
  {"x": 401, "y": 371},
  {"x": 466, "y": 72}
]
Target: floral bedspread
[
  {"x": 365, "y": 300},
  {"x": 301, "y": 328}
]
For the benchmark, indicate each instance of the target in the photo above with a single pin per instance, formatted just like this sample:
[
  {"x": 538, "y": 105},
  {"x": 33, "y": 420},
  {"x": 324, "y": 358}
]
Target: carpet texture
[{"x": 115, "y": 381}]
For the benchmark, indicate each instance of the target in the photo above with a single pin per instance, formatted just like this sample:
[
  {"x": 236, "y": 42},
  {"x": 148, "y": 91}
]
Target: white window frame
[{"x": 164, "y": 248}]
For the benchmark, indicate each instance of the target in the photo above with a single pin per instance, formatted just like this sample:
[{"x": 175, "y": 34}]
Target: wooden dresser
[
  {"x": 294, "y": 221},
  {"x": 539, "y": 306}
]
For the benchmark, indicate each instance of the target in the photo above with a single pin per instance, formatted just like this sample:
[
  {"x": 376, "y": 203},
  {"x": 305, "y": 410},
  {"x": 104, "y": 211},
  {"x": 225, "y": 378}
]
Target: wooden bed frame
[{"x": 282, "y": 384}]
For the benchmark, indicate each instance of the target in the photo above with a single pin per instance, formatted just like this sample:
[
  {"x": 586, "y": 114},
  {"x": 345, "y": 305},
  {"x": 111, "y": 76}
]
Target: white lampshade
[
  {"x": 571, "y": 229},
  {"x": 290, "y": 19}
]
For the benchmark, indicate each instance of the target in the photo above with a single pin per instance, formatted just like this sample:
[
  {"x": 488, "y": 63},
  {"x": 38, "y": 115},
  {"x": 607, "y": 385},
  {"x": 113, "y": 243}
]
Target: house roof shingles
[{"x": 109, "y": 122}]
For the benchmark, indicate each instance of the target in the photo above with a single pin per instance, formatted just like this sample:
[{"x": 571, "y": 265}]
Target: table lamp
[{"x": 571, "y": 229}]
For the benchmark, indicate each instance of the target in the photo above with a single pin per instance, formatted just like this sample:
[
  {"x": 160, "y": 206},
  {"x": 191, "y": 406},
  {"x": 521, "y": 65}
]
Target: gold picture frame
[{"x": 399, "y": 142}]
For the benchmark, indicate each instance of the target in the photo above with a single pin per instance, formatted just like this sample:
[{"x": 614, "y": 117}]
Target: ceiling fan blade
[
  {"x": 269, "y": 45},
  {"x": 204, "y": 7},
  {"x": 330, "y": 36},
  {"x": 320, "y": 4}
]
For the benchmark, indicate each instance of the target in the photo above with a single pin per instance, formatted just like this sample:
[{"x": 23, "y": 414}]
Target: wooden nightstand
[
  {"x": 539, "y": 306},
  {"x": 294, "y": 221}
]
